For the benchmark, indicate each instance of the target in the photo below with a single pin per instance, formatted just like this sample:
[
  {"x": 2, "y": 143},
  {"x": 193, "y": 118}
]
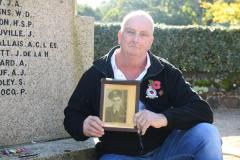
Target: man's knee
[{"x": 206, "y": 132}]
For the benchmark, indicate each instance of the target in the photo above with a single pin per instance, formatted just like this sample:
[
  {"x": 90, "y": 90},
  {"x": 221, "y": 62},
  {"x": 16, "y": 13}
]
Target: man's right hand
[{"x": 93, "y": 127}]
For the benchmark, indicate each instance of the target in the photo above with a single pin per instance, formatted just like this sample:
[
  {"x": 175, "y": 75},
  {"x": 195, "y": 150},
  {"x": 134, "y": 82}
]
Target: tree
[
  {"x": 115, "y": 10},
  {"x": 175, "y": 12},
  {"x": 170, "y": 12},
  {"x": 85, "y": 10},
  {"x": 222, "y": 12}
]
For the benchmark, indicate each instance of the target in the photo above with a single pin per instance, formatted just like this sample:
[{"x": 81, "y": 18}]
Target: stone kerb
[{"x": 44, "y": 49}]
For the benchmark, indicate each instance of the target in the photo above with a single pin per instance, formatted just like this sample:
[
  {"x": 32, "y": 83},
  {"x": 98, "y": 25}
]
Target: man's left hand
[{"x": 144, "y": 119}]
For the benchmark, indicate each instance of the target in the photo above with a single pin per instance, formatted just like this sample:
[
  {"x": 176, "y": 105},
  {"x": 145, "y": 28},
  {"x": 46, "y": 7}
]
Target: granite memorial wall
[{"x": 44, "y": 49}]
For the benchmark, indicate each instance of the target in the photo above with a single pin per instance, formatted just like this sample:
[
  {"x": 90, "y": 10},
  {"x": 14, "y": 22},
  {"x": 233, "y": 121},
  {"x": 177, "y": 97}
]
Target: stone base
[
  {"x": 66, "y": 149},
  {"x": 69, "y": 149}
]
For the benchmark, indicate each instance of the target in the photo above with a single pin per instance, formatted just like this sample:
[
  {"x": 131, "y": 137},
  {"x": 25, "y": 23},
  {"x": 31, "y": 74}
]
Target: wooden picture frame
[{"x": 118, "y": 104}]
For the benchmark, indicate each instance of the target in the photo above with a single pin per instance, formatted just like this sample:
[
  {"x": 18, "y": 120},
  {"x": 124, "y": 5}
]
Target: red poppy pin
[{"x": 153, "y": 86}]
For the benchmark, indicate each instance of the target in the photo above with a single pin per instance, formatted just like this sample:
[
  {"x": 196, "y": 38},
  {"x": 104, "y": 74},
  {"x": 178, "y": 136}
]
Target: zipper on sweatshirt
[{"x": 141, "y": 143}]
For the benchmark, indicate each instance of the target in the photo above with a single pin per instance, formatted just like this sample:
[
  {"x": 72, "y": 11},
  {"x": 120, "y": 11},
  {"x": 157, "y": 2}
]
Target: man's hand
[
  {"x": 144, "y": 119},
  {"x": 93, "y": 127}
]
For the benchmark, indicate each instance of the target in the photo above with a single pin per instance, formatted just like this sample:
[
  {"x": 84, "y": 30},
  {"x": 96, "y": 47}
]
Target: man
[
  {"x": 116, "y": 112},
  {"x": 173, "y": 121}
]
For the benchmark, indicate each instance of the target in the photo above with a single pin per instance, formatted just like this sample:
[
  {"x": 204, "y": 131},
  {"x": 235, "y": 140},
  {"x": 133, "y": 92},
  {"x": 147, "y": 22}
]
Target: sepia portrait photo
[
  {"x": 119, "y": 100},
  {"x": 116, "y": 106}
]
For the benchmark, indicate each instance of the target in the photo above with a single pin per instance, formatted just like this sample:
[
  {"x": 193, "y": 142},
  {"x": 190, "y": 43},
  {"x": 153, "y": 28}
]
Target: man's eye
[
  {"x": 130, "y": 32},
  {"x": 144, "y": 34}
]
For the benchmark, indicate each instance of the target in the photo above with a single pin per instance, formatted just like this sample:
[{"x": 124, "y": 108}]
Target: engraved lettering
[
  {"x": 4, "y": 22},
  {"x": 46, "y": 53},
  {"x": 17, "y": 4},
  {"x": 53, "y": 45},
  {"x": 4, "y": 52},
  {"x": 22, "y": 91},
  {"x": 27, "y": 14},
  {"x": 22, "y": 63},
  {"x": 5, "y": 12},
  {"x": 41, "y": 54},
  {"x": 8, "y": 92},
  {"x": 29, "y": 24},
  {"x": 7, "y": 62},
  {"x": 18, "y": 46},
  {"x": 17, "y": 53},
  {"x": 30, "y": 34},
  {"x": 22, "y": 73},
  {"x": 10, "y": 2},
  {"x": 8, "y": 43},
  {"x": 14, "y": 73},
  {"x": 26, "y": 53},
  {"x": 18, "y": 13},
  {"x": 6, "y": 82},
  {"x": 20, "y": 82},
  {"x": 14, "y": 33},
  {"x": 3, "y": 72},
  {"x": 29, "y": 44}
]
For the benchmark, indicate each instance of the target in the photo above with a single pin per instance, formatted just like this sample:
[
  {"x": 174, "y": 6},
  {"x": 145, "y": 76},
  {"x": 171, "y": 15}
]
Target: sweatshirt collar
[
  {"x": 118, "y": 74},
  {"x": 104, "y": 64}
]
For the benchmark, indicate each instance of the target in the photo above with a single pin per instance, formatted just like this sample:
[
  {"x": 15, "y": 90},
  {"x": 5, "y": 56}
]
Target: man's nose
[{"x": 136, "y": 38}]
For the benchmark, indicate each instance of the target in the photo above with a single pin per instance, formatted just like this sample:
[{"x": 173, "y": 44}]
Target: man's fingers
[
  {"x": 142, "y": 120},
  {"x": 139, "y": 128},
  {"x": 95, "y": 133},
  {"x": 92, "y": 127},
  {"x": 144, "y": 128},
  {"x": 137, "y": 117},
  {"x": 97, "y": 120},
  {"x": 96, "y": 126},
  {"x": 139, "y": 121}
]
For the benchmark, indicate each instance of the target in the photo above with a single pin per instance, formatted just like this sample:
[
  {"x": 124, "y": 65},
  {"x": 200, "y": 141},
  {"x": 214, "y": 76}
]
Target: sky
[{"x": 92, "y": 3}]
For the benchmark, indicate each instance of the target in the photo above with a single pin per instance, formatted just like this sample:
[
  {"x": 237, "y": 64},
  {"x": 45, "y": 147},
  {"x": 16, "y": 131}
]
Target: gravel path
[{"x": 228, "y": 123}]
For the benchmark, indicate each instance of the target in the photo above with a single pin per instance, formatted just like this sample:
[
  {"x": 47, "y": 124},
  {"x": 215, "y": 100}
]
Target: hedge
[{"x": 191, "y": 48}]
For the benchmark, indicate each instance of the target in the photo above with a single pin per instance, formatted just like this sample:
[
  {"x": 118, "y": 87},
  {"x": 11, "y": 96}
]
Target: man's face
[
  {"x": 136, "y": 38},
  {"x": 116, "y": 102}
]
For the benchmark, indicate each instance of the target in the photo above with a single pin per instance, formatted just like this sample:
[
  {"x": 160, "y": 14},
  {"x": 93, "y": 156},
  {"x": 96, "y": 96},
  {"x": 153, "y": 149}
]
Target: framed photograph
[{"x": 119, "y": 103}]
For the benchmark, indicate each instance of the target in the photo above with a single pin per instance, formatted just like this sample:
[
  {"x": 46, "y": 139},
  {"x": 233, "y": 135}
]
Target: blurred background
[{"x": 170, "y": 12}]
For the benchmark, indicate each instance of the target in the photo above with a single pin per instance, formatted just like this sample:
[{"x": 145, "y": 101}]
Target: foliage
[
  {"x": 170, "y": 12},
  {"x": 222, "y": 12},
  {"x": 223, "y": 82},
  {"x": 85, "y": 10},
  {"x": 192, "y": 48},
  {"x": 208, "y": 50},
  {"x": 105, "y": 37},
  {"x": 229, "y": 82},
  {"x": 173, "y": 12},
  {"x": 200, "y": 90},
  {"x": 203, "y": 82}
]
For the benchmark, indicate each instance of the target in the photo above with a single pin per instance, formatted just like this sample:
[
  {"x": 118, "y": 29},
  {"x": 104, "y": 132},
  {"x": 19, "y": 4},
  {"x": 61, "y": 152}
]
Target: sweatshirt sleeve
[
  {"x": 77, "y": 110},
  {"x": 188, "y": 108}
]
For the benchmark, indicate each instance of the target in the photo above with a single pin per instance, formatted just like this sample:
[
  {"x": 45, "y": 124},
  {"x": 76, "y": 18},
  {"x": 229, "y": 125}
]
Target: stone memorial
[{"x": 44, "y": 49}]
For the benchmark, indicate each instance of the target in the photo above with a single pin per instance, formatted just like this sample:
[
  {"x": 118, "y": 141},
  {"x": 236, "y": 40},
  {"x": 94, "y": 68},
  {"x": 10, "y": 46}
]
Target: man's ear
[
  {"x": 119, "y": 36},
  {"x": 151, "y": 42}
]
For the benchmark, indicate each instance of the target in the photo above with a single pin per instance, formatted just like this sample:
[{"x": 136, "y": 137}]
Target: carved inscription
[{"x": 19, "y": 46}]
